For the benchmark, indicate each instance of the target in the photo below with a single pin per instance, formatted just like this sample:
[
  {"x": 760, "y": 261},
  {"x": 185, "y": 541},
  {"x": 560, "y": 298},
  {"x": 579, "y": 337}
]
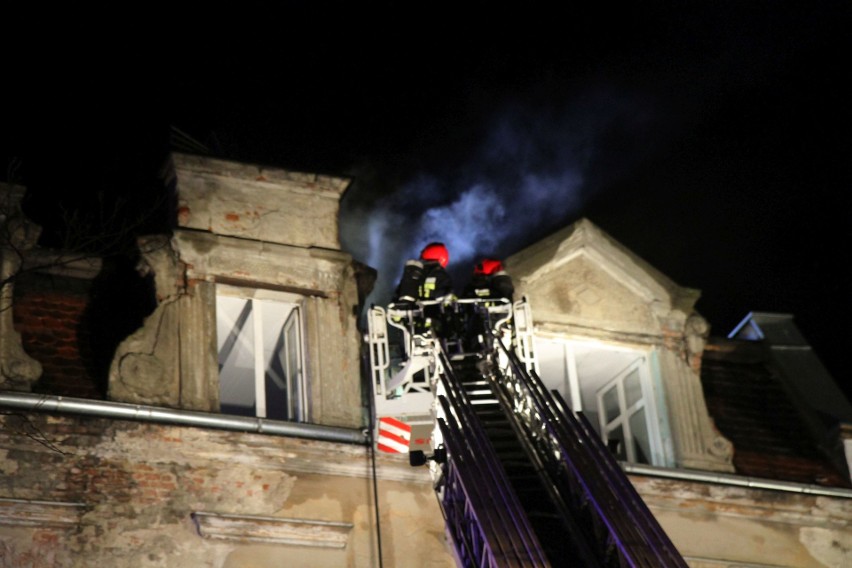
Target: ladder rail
[
  {"x": 626, "y": 493},
  {"x": 489, "y": 492},
  {"x": 563, "y": 501},
  {"x": 631, "y": 527}
]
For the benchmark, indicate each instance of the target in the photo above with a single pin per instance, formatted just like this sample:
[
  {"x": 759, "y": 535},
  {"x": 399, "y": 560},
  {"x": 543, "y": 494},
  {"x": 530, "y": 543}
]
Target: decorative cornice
[
  {"x": 272, "y": 530},
  {"x": 41, "y": 514}
]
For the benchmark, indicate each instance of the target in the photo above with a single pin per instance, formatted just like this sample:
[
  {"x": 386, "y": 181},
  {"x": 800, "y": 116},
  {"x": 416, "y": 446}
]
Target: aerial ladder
[{"x": 521, "y": 479}]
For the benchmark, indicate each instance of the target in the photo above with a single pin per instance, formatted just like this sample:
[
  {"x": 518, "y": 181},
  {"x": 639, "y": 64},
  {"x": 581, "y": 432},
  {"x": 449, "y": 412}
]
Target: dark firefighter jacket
[
  {"x": 497, "y": 285},
  {"x": 423, "y": 280}
]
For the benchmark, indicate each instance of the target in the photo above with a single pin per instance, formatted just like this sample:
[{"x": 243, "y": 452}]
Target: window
[
  {"x": 261, "y": 363},
  {"x": 612, "y": 387},
  {"x": 622, "y": 416}
]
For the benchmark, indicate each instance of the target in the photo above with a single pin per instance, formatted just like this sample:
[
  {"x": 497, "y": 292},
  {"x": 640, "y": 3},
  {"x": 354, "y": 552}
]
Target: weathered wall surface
[
  {"x": 580, "y": 279},
  {"x": 715, "y": 526},
  {"x": 253, "y": 228},
  {"x": 81, "y": 492},
  {"x": 17, "y": 234},
  {"x": 220, "y": 196},
  {"x": 581, "y": 293}
]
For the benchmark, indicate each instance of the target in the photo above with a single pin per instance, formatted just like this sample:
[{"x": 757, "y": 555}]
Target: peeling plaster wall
[
  {"x": 221, "y": 196},
  {"x": 582, "y": 294},
  {"x": 121, "y": 494},
  {"x": 724, "y": 526},
  {"x": 580, "y": 278},
  {"x": 253, "y": 228}
]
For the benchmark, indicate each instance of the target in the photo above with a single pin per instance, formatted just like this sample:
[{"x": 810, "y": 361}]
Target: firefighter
[
  {"x": 490, "y": 280},
  {"x": 426, "y": 279}
]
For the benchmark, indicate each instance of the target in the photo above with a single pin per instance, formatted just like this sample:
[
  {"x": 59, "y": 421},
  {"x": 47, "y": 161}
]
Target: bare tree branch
[
  {"x": 22, "y": 425},
  {"x": 104, "y": 226}
]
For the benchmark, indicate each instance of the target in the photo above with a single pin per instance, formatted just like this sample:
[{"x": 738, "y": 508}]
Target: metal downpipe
[
  {"x": 125, "y": 411},
  {"x": 735, "y": 480}
]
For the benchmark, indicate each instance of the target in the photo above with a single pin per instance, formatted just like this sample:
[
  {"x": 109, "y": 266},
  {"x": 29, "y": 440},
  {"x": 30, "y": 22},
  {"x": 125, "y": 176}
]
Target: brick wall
[
  {"x": 54, "y": 331},
  {"x": 72, "y": 324}
]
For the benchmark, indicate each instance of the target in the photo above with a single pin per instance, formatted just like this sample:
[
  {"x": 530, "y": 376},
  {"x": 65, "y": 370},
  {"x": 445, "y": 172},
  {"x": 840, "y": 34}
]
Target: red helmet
[
  {"x": 437, "y": 252},
  {"x": 488, "y": 266}
]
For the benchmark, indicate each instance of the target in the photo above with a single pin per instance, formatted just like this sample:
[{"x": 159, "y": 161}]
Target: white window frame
[
  {"x": 647, "y": 400},
  {"x": 625, "y": 412},
  {"x": 298, "y": 406}
]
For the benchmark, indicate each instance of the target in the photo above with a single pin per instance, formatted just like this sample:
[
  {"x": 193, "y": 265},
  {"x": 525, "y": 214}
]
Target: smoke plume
[{"x": 531, "y": 175}]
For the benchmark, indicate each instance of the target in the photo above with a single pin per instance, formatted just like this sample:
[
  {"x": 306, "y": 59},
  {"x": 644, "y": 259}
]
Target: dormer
[
  {"x": 622, "y": 343},
  {"x": 257, "y": 302}
]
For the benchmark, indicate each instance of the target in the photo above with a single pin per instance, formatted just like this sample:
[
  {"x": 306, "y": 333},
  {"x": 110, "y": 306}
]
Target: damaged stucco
[
  {"x": 18, "y": 234},
  {"x": 721, "y": 525},
  {"x": 124, "y": 494},
  {"x": 254, "y": 228}
]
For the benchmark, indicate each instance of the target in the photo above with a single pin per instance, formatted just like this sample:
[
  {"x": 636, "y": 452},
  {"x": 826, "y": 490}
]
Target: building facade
[
  {"x": 229, "y": 426},
  {"x": 624, "y": 344}
]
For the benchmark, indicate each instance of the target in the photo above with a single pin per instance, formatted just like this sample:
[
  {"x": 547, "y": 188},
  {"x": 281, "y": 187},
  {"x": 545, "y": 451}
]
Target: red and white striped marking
[{"x": 393, "y": 435}]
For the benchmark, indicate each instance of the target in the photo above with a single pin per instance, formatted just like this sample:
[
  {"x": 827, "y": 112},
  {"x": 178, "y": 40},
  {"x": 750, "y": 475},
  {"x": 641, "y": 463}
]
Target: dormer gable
[{"x": 580, "y": 276}]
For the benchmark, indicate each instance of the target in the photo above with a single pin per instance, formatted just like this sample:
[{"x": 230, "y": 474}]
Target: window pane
[
  {"x": 551, "y": 364},
  {"x": 260, "y": 369},
  {"x": 275, "y": 376},
  {"x": 610, "y": 403},
  {"x": 632, "y": 388},
  {"x": 276, "y": 382},
  {"x": 235, "y": 337},
  {"x": 641, "y": 442},
  {"x": 293, "y": 349},
  {"x": 615, "y": 442}
]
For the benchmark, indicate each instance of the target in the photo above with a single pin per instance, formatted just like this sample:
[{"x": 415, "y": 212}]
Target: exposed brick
[{"x": 53, "y": 331}]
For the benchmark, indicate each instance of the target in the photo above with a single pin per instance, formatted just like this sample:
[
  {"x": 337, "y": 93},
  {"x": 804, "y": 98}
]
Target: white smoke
[
  {"x": 529, "y": 176},
  {"x": 469, "y": 224}
]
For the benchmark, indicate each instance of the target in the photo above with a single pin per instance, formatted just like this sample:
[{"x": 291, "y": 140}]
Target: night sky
[{"x": 712, "y": 139}]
